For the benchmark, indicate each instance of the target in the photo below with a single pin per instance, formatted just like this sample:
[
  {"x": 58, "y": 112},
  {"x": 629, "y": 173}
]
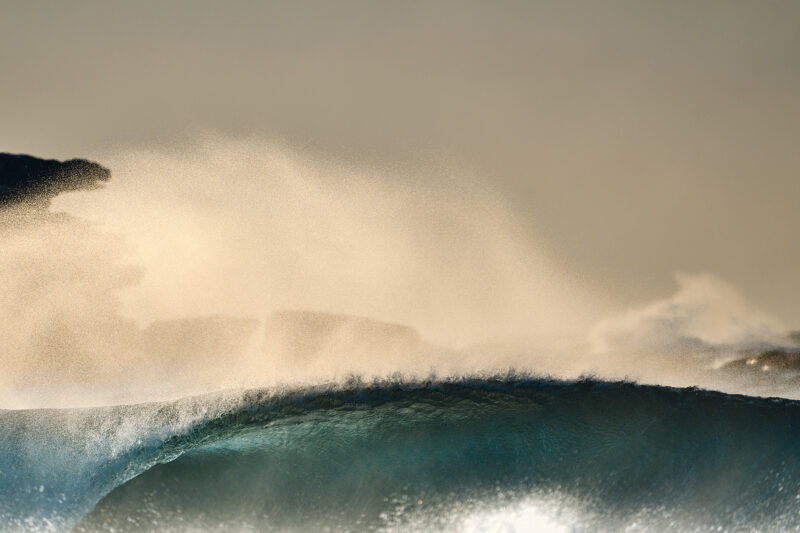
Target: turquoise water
[{"x": 503, "y": 454}]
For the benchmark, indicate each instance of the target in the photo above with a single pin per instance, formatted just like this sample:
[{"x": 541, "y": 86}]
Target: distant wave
[{"x": 587, "y": 455}]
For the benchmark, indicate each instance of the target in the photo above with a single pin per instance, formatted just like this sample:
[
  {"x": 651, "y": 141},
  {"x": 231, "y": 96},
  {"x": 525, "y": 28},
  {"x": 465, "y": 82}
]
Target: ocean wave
[{"x": 585, "y": 455}]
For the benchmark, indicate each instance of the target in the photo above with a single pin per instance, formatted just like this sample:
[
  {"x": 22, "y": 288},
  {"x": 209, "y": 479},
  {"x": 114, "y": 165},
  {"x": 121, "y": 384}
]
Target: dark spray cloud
[{"x": 28, "y": 178}]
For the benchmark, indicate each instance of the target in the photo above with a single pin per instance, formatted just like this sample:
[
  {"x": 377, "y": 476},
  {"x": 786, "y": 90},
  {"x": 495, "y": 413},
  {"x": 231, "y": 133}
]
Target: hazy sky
[{"x": 640, "y": 138}]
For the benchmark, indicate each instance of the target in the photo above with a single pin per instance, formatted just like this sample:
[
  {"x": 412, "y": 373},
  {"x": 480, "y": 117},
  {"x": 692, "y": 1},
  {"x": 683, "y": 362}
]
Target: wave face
[{"x": 500, "y": 454}]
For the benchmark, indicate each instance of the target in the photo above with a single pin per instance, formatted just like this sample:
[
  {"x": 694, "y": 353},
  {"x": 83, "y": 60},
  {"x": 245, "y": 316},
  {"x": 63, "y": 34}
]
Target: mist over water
[
  {"x": 363, "y": 348},
  {"x": 234, "y": 231},
  {"x": 254, "y": 226},
  {"x": 233, "y": 263}
]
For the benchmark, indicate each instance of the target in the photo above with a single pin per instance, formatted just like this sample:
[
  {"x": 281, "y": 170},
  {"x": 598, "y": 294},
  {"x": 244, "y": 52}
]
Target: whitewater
[{"x": 237, "y": 335}]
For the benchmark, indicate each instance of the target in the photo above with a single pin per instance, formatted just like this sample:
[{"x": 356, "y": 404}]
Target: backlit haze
[{"x": 573, "y": 187}]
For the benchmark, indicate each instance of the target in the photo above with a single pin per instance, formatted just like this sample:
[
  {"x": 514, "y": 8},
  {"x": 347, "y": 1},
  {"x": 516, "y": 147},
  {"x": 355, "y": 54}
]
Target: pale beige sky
[{"x": 640, "y": 138}]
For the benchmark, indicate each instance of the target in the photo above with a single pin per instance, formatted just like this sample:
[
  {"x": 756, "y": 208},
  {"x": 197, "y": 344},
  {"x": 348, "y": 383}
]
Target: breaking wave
[
  {"x": 454, "y": 454},
  {"x": 179, "y": 346}
]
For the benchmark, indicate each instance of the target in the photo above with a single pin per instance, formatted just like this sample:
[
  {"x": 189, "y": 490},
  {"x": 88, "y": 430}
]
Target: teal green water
[{"x": 422, "y": 456}]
